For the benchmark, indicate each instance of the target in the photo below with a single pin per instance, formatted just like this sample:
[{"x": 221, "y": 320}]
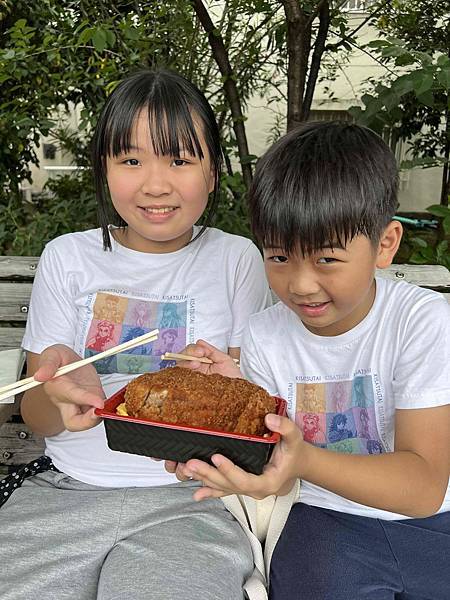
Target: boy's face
[{"x": 331, "y": 290}]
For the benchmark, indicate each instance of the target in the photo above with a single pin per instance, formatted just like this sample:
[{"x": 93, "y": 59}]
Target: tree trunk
[
  {"x": 298, "y": 40},
  {"x": 445, "y": 188},
  {"x": 230, "y": 88}
]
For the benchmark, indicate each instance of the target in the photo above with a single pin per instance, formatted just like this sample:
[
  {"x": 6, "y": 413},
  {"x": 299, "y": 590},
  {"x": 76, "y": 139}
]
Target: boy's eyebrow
[{"x": 332, "y": 246}]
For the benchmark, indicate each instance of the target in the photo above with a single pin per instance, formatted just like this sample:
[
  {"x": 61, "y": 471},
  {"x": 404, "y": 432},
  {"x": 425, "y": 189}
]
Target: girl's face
[{"x": 159, "y": 197}]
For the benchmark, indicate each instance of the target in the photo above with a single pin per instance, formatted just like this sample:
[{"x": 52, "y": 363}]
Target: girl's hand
[
  {"x": 222, "y": 363},
  {"x": 279, "y": 474},
  {"x": 76, "y": 394}
]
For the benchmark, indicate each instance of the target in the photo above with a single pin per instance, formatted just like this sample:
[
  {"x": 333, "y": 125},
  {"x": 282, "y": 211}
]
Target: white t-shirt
[
  {"x": 90, "y": 300},
  {"x": 343, "y": 391}
]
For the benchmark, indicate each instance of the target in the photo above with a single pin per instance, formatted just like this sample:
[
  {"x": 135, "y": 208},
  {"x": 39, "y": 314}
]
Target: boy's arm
[{"x": 412, "y": 480}]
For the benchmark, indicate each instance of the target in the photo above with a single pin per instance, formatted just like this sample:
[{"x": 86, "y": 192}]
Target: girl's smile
[{"x": 158, "y": 214}]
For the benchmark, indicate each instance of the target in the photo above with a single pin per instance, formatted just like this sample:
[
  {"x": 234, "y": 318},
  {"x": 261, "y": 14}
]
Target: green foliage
[
  {"x": 427, "y": 246},
  {"x": 66, "y": 204},
  {"x": 65, "y": 54},
  {"x": 411, "y": 102}
]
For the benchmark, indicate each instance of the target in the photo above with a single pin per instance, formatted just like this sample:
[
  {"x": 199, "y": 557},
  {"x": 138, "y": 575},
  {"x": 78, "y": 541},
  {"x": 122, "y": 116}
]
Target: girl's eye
[
  {"x": 133, "y": 162},
  {"x": 179, "y": 162}
]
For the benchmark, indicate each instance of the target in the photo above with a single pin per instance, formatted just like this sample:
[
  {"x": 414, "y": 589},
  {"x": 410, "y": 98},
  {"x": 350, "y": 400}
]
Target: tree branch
[
  {"x": 229, "y": 85},
  {"x": 319, "y": 49}
]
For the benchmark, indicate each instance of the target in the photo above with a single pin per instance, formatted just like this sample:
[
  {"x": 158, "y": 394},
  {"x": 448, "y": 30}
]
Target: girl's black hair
[
  {"x": 321, "y": 185},
  {"x": 173, "y": 104}
]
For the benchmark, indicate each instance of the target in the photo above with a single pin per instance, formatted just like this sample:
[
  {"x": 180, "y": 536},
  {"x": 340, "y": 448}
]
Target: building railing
[{"x": 357, "y": 5}]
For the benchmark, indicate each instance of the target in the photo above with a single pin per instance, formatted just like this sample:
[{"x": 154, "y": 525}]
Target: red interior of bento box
[{"x": 109, "y": 412}]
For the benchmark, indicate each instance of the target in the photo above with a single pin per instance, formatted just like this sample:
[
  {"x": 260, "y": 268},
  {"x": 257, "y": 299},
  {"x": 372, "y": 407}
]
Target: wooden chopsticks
[
  {"x": 26, "y": 384},
  {"x": 175, "y": 356}
]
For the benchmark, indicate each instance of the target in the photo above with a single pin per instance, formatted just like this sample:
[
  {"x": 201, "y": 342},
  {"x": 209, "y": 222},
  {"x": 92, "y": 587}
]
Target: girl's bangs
[{"x": 171, "y": 126}]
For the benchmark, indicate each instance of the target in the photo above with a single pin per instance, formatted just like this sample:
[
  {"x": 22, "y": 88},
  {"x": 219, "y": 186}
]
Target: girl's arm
[
  {"x": 68, "y": 402},
  {"x": 38, "y": 411},
  {"x": 411, "y": 481}
]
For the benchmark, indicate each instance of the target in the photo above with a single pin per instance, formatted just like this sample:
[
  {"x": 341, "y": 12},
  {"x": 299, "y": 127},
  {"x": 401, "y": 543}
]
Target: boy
[{"x": 373, "y": 520}]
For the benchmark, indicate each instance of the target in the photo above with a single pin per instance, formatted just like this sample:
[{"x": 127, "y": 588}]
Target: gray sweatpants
[{"x": 60, "y": 539}]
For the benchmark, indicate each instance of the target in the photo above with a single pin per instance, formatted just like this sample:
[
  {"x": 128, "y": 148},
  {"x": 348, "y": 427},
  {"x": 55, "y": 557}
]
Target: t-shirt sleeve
[
  {"x": 422, "y": 372},
  {"x": 253, "y": 365},
  {"x": 251, "y": 291},
  {"x": 52, "y": 314}
]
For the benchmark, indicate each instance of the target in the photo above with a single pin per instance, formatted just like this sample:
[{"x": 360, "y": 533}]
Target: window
[{"x": 49, "y": 151}]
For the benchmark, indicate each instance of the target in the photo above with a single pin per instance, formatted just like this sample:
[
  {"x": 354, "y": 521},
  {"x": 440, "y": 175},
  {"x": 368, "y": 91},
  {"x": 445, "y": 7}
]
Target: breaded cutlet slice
[{"x": 186, "y": 397}]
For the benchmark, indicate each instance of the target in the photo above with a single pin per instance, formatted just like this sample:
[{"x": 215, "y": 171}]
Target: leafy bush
[
  {"x": 428, "y": 246},
  {"x": 68, "y": 204}
]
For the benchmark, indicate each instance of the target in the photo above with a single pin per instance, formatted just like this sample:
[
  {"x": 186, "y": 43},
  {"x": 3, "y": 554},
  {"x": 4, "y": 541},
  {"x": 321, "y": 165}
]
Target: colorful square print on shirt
[
  {"x": 339, "y": 415},
  {"x": 118, "y": 319}
]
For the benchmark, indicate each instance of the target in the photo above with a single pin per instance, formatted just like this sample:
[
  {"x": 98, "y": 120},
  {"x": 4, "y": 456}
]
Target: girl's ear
[{"x": 388, "y": 244}]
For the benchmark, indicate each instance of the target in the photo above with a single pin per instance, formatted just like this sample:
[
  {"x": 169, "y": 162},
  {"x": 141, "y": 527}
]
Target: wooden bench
[{"x": 18, "y": 445}]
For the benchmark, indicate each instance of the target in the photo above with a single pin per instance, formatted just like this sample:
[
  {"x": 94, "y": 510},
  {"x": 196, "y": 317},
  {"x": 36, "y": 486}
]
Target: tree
[
  {"x": 414, "y": 105},
  {"x": 71, "y": 53}
]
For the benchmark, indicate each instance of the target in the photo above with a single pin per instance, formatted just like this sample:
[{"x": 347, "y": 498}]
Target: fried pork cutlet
[{"x": 185, "y": 397}]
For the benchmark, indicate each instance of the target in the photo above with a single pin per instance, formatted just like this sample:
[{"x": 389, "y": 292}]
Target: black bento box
[{"x": 181, "y": 443}]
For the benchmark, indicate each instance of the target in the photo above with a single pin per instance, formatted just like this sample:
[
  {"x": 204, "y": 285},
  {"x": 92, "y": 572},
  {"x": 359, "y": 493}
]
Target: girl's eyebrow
[{"x": 131, "y": 149}]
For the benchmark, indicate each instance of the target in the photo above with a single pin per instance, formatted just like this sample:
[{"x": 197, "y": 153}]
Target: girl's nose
[{"x": 156, "y": 182}]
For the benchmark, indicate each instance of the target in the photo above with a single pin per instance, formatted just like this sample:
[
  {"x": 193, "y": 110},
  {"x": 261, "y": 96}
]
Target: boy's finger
[
  {"x": 225, "y": 476},
  {"x": 204, "y": 493},
  {"x": 287, "y": 428}
]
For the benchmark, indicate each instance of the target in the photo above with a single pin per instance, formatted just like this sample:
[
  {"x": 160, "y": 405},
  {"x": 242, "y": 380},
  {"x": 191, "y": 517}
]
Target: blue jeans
[{"x": 327, "y": 555}]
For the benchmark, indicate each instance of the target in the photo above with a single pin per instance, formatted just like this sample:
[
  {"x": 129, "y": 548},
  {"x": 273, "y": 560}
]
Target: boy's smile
[{"x": 332, "y": 289}]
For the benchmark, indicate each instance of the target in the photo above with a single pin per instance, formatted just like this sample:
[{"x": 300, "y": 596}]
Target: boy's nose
[{"x": 303, "y": 284}]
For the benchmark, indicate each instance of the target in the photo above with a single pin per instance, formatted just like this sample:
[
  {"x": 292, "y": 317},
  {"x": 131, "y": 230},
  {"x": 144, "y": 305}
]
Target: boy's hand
[
  {"x": 222, "y": 363},
  {"x": 278, "y": 477},
  {"x": 76, "y": 394}
]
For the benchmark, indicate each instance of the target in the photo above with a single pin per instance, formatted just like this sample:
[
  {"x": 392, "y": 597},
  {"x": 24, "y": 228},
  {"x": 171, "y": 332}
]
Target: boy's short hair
[{"x": 323, "y": 184}]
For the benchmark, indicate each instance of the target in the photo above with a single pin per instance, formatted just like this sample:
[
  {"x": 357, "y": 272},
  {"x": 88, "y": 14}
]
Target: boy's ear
[{"x": 388, "y": 244}]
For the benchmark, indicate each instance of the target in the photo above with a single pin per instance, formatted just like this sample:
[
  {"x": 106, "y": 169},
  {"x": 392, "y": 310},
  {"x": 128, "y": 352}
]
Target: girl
[{"x": 97, "y": 523}]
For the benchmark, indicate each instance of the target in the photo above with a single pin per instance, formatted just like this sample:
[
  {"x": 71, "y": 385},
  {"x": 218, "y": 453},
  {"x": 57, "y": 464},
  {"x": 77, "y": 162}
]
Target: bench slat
[
  {"x": 16, "y": 267},
  {"x": 19, "y": 445},
  {"x": 14, "y": 301},
  {"x": 11, "y": 337},
  {"x": 431, "y": 276}
]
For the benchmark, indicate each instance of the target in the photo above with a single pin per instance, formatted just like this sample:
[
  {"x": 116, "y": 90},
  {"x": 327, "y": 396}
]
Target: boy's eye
[
  {"x": 279, "y": 259},
  {"x": 325, "y": 260}
]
